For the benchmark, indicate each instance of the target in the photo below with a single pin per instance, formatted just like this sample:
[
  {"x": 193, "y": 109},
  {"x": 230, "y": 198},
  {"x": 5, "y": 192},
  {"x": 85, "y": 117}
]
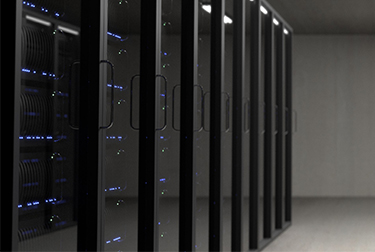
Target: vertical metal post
[
  {"x": 255, "y": 50},
  {"x": 288, "y": 156},
  {"x": 189, "y": 59},
  {"x": 217, "y": 78},
  {"x": 11, "y": 14},
  {"x": 269, "y": 141},
  {"x": 149, "y": 68},
  {"x": 238, "y": 90},
  {"x": 280, "y": 137},
  {"x": 89, "y": 174}
]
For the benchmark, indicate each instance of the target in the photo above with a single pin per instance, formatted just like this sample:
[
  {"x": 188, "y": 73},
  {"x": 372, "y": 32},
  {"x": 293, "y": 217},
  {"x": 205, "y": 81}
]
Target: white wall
[{"x": 334, "y": 96}]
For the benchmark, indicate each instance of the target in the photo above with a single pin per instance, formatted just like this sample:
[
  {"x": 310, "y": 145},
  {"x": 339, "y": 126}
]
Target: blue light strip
[
  {"x": 117, "y": 188},
  {"x": 117, "y": 239},
  {"x": 29, "y": 4},
  {"x": 30, "y": 184},
  {"x": 43, "y": 73},
  {"x": 116, "y": 87},
  {"x": 41, "y": 8},
  {"x": 36, "y": 138},
  {"x": 29, "y": 231},
  {"x": 34, "y": 160},
  {"x": 31, "y": 90},
  {"x": 41, "y": 137},
  {"x": 51, "y": 200},
  {"x": 62, "y": 180},
  {"x": 119, "y": 138},
  {"x": 29, "y": 204},
  {"x": 31, "y": 113},
  {"x": 112, "y": 189},
  {"x": 35, "y": 204},
  {"x": 116, "y": 36},
  {"x": 62, "y": 223}
]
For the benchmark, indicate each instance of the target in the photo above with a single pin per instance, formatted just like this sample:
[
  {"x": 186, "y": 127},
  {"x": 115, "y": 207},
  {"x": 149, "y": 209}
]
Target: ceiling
[{"x": 328, "y": 16}]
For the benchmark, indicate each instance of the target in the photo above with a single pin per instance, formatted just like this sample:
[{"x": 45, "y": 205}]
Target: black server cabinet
[
  {"x": 270, "y": 130},
  {"x": 149, "y": 126},
  {"x": 44, "y": 181}
]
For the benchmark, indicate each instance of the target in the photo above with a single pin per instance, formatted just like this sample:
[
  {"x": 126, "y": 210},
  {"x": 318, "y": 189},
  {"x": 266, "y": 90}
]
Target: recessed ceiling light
[
  {"x": 207, "y": 8},
  {"x": 262, "y": 9},
  {"x": 227, "y": 20}
]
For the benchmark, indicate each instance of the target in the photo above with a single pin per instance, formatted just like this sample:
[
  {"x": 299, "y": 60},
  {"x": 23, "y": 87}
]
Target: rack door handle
[
  {"x": 202, "y": 108},
  {"x": 227, "y": 112},
  {"x": 110, "y": 124},
  {"x": 287, "y": 115},
  {"x": 131, "y": 100},
  {"x": 205, "y": 128},
  {"x": 71, "y": 125}
]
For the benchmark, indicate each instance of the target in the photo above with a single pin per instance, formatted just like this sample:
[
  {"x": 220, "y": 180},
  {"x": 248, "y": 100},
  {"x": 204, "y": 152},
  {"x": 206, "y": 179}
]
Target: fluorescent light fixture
[
  {"x": 68, "y": 30},
  {"x": 38, "y": 20},
  {"x": 286, "y": 32},
  {"x": 262, "y": 9},
  {"x": 207, "y": 8},
  {"x": 275, "y": 21},
  {"x": 227, "y": 20}
]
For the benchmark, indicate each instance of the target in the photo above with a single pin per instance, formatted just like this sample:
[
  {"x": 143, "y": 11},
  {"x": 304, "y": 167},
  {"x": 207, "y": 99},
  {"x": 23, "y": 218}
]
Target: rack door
[
  {"x": 168, "y": 127},
  {"x": 48, "y": 137},
  {"x": 121, "y": 100}
]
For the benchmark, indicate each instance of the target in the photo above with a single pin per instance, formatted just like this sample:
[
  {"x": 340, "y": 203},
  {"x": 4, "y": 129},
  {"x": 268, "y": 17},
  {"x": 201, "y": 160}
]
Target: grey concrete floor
[
  {"x": 319, "y": 224},
  {"x": 329, "y": 224}
]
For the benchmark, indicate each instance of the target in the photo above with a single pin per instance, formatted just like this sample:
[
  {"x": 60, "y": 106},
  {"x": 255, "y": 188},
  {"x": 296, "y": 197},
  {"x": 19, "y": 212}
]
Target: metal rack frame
[
  {"x": 90, "y": 177},
  {"x": 282, "y": 146}
]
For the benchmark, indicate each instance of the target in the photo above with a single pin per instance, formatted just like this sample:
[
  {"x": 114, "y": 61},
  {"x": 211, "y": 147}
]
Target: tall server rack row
[{"x": 144, "y": 126}]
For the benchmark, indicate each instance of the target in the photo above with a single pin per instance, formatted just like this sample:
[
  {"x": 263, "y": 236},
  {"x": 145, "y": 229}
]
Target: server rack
[
  {"x": 270, "y": 174},
  {"x": 97, "y": 105}
]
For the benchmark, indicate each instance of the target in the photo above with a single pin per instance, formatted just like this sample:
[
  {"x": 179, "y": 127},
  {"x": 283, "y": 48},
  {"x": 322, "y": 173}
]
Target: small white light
[
  {"x": 227, "y": 20},
  {"x": 38, "y": 20},
  {"x": 68, "y": 30},
  {"x": 286, "y": 32},
  {"x": 207, "y": 8},
  {"x": 275, "y": 21},
  {"x": 262, "y": 9}
]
